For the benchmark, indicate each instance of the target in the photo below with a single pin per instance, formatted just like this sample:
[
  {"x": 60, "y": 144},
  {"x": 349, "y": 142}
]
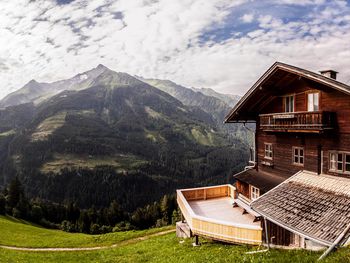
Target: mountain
[
  {"x": 229, "y": 99},
  {"x": 28, "y": 93},
  {"x": 36, "y": 92},
  {"x": 110, "y": 137},
  {"x": 212, "y": 105}
]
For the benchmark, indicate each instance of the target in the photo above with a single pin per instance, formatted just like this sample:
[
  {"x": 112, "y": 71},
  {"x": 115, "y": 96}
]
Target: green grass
[
  {"x": 168, "y": 249},
  {"x": 119, "y": 162},
  {"x": 48, "y": 126},
  {"x": 14, "y": 232},
  {"x": 8, "y": 133},
  {"x": 165, "y": 248}
]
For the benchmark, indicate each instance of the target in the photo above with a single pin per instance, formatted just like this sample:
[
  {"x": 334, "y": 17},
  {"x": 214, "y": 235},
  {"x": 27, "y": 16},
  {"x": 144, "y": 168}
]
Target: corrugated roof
[
  {"x": 315, "y": 206},
  {"x": 262, "y": 180}
]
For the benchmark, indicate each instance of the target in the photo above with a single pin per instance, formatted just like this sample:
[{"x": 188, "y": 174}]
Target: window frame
[
  {"x": 299, "y": 156},
  {"x": 254, "y": 192},
  {"x": 266, "y": 144},
  {"x": 291, "y": 106},
  {"x": 313, "y": 104},
  {"x": 336, "y": 162}
]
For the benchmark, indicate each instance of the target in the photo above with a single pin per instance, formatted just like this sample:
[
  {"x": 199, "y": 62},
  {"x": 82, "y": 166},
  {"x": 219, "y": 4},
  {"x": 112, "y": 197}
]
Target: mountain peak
[
  {"x": 32, "y": 84},
  {"x": 101, "y": 66},
  {"x": 32, "y": 81}
]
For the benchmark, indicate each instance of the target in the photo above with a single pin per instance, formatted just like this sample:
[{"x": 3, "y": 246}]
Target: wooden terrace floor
[{"x": 221, "y": 209}]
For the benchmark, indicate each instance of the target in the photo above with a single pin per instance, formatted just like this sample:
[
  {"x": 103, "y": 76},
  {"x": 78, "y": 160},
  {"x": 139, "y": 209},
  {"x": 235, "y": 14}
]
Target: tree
[
  {"x": 164, "y": 208},
  {"x": 36, "y": 213},
  {"x": 2, "y": 204},
  {"x": 115, "y": 213},
  {"x": 15, "y": 192},
  {"x": 84, "y": 222}
]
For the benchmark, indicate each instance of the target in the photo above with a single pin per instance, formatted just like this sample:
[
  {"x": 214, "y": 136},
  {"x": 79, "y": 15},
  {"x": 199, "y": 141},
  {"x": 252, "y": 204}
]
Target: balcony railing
[
  {"x": 305, "y": 121},
  {"x": 228, "y": 231}
]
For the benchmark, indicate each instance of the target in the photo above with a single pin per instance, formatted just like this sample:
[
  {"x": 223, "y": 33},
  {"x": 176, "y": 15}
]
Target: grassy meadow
[
  {"x": 165, "y": 248},
  {"x": 15, "y": 232}
]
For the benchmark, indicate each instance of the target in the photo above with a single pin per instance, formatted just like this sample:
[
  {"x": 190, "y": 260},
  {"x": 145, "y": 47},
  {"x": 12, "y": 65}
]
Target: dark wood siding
[
  {"x": 243, "y": 188},
  {"x": 277, "y": 235},
  {"x": 337, "y": 139}
]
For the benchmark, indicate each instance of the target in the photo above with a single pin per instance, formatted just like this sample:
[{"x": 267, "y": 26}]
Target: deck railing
[
  {"x": 308, "y": 121},
  {"x": 213, "y": 228}
]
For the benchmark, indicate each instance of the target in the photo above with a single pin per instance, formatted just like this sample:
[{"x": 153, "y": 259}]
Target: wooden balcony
[
  {"x": 306, "y": 121},
  {"x": 209, "y": 212}
]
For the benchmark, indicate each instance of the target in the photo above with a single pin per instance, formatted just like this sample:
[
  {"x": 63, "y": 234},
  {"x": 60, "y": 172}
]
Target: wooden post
[{"x": 196, "y": 240}]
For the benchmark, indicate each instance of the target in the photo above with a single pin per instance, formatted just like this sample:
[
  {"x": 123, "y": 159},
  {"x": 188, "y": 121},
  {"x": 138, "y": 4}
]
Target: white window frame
[
  {"x": 291, "y": 103},
  {"x": 334, "y": 162},
  {"x": 254, "y": 193},
  {"x": 312, "y": 98},
  {"x": 300, "y": 158},
  {"x": 268, "y": 151}
]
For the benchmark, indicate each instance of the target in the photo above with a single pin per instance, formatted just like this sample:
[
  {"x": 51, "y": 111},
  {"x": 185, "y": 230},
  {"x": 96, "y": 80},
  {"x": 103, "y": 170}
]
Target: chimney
[{"x": 329, "y": 73}]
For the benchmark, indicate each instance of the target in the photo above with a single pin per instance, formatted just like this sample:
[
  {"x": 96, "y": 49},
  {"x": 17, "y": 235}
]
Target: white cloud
[
  {"x": 247, "y": 18},
  {"x": 162, "y": 39}
]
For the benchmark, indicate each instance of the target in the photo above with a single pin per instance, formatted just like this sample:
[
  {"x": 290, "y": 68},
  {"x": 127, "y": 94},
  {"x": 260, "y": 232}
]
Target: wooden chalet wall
[
  {"x": 337, "y": 139},
  {"x": 243, "y": 188},
  {"x": 277, "y": 235}
]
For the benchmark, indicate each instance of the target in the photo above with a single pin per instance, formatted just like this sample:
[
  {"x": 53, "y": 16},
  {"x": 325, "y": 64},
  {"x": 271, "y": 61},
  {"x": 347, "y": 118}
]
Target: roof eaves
[
  {"x": 302, "y": 72},
  {"x": 301, "y": 233}
]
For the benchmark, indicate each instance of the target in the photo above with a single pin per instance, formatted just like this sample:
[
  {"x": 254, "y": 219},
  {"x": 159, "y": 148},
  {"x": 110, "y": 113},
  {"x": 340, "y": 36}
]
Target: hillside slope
[
  {"x": 189, "y": 97},
  {"x": 165, "y": 248},
  {"x": 213, "y": 103}
]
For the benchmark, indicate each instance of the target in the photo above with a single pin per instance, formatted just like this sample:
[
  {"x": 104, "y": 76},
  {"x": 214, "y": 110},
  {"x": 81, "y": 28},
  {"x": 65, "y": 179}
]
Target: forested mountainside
[
  {"x": 104, "y": 136},
  {"x": 213, "y": 103}
]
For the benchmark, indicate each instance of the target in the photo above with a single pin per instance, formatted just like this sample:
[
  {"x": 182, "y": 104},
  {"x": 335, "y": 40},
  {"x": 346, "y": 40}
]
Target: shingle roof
[
  {"x": 315, "y": 206},
  {"x": 262, "y": 180}
]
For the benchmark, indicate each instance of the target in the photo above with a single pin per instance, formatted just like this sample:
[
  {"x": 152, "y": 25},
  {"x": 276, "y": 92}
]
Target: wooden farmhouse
[{"x": 296, "y": 190}]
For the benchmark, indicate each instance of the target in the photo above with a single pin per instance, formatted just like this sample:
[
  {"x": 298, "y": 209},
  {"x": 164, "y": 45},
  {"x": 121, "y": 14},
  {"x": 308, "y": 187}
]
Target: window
[
  {"x": 333, "y": 161},
  {"x": 298, "y": 155},
  {"x": 289, "y": 104},
  {"x": 339, "y": 162},
  {"x": 254, "y": 193},
  {"x": 268, "y": 151},
  {"x": 313, "y": 101}
]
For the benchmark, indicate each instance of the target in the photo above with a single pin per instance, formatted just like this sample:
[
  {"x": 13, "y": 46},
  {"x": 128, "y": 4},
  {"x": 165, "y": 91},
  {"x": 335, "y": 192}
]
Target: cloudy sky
[{"x": 221, "y": 44}]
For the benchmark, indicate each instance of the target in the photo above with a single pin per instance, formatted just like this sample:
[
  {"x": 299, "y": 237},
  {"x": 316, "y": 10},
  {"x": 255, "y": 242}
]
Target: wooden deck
[
  {"x": 209, "y": 212},
  {"x": 221, "y": 209},
  {"x": 303, "y": 121}
]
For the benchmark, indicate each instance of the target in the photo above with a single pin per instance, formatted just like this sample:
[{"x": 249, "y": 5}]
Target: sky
[{"x": 220, "y": 44}]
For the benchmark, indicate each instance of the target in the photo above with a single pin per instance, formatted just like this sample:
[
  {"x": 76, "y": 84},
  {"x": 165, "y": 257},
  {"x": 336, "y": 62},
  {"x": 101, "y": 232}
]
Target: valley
[{"x": 104, "y": 136}]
